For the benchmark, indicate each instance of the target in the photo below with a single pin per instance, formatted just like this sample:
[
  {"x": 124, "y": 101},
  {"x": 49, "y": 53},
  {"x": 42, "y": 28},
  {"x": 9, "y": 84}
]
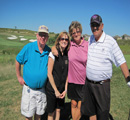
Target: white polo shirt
[{"x": 101, "y": 55}]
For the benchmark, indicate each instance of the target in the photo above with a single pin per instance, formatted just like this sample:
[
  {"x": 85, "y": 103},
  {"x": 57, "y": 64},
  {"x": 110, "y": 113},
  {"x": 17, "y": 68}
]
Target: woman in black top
[{"x": 57, "y": 73}]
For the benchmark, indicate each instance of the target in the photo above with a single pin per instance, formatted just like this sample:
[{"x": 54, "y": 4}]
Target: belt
[
  {"x": 33, "y": 88},
  {"x": 98, "y": 82}
]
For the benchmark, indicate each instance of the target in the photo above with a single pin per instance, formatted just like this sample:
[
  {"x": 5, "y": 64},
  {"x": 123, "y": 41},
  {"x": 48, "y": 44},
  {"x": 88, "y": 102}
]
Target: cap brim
[
  {"x": 43, "y": 31},
  {"x": 95, "y": 22}
]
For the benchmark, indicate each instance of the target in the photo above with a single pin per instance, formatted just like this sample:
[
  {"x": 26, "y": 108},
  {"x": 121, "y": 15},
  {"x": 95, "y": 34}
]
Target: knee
[
  {"x": 51, "y": 114},
  {"x": 73, "y": 104},
  {"x": 58, "y": 110},
  {"x": 79, "y": 105},
  {"x": 29, "y": 118}
]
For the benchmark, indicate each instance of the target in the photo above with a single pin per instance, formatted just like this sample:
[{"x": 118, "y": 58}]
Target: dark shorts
[
  {"x": 53, "y": 103},
  {"x": 74, "y": 91},
  {"x": 96, "y": 98}
]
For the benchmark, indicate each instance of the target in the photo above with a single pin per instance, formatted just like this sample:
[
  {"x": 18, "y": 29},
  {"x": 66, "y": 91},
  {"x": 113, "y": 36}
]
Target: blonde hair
[
  {"x": 74, "y": 24},
  {"x": 59, "y": 37}
]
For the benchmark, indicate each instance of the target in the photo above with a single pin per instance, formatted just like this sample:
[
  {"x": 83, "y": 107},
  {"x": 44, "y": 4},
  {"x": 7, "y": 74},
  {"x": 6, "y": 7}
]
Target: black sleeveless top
[{"x": 60, "y": 71}]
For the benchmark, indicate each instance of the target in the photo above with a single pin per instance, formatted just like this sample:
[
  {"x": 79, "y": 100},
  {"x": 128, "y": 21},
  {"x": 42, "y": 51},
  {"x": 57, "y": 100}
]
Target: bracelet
[{"x": 128, "y": 79}]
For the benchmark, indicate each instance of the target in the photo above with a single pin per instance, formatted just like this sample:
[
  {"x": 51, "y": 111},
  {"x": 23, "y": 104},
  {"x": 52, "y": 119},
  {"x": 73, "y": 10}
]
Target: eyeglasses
[
  {"x": 66, "y": 39},
  {"x": 43, "y": 35},
  {"x": 75, "y": 32}
]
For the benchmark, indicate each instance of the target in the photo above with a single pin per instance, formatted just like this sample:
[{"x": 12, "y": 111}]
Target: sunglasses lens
[
  {"x": 42, "y": 34},
  {"x": 64, "y": 39}
]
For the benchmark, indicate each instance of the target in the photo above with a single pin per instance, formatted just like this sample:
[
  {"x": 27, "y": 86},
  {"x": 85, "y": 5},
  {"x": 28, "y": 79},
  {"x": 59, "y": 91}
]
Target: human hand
[
  {"x": 128, "y": 81},
  {"x": 21, "y": 80},
  {"x": 57, "y": 94},
  {"x": 54, "y": 51},
  {"x": 63, "y": 94}
]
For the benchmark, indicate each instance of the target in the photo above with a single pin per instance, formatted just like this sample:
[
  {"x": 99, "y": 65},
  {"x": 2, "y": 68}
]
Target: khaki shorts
[{"x": 33, "y": 101}]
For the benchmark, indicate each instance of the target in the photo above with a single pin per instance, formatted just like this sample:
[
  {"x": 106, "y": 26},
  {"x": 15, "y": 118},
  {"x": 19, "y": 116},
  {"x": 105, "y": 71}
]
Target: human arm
[
  {"x": 54, "y": 51},
  {"x": 119, "y": 60},
  {"x": 65, "y": 91},
  {"x": 18, "y": 73},
  {"x": 50, "y": 76},
  {"x": 125, "y": 71}
]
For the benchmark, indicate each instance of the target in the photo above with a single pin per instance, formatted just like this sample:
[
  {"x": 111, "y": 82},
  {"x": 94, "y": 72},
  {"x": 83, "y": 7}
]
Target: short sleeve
[
  {"x": 117, "y": 55},
  {"x": 52, "y": 56},
  {"x": 22, "y": 55}
]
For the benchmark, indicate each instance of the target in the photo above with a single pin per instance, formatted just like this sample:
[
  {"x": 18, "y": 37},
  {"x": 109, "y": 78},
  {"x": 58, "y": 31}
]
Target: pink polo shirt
[{"x": 77, "y": 56}]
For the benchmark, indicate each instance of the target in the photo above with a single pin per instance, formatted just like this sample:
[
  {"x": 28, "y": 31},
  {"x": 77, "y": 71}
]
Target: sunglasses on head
[{"x": 66, "y": 39}]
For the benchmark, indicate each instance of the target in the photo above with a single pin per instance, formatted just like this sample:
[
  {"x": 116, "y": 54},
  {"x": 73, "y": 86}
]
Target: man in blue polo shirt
[{"x": 34, "y": 57}]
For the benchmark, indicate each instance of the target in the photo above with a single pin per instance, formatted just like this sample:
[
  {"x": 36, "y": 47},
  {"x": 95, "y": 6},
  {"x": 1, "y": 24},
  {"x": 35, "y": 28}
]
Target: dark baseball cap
[{"x": 96, "y": 19}]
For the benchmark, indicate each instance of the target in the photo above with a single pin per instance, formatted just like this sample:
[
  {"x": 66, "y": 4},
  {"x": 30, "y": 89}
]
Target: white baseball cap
[{"x": 43, "y": 28}]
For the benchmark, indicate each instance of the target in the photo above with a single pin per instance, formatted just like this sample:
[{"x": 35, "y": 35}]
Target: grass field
[{"x": 11, "y": 91}]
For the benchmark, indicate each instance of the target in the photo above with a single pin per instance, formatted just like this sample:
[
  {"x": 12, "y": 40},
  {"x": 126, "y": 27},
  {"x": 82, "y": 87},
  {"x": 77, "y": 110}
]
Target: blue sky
[{"x": 58, "y": 14}]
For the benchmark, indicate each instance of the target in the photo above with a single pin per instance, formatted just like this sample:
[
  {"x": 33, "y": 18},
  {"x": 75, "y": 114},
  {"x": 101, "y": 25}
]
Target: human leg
[
  {"x": 30, "y": 118},
  {"x": 77, "y": 111},
  {"x": 27, "y": 103},
  {"x": 58, "y": 107},
  {"x": 51, "y": 116},
  {"x": 73, "y": 108},
  {"x": 41, "y": 103},
  {"x": 95, "y": 95},
  {"x": 100, "y": 97},
  {"x": 57, "y": 114},
  {"x": 75, "y": 93},
  {"x": 33, "y": 101},
  {"x": 93, "y": 117},
  {"x": 103, "y": 116},
  {"x": 37, "y": 117}
]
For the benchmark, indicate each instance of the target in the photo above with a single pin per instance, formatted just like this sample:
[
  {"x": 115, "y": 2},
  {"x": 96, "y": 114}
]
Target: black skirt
[{"x": 75, "y": 92}]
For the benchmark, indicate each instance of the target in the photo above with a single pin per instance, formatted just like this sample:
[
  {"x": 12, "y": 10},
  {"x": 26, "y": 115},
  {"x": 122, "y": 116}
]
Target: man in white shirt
[{"x": 103, "y": 51}]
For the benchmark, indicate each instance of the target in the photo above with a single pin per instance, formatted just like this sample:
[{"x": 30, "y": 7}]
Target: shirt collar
[
  {"x": 36, "y": 46},
  {"x": 37, "y": 49},
  {"x": 74, "y": 44},
  {"x": 102, "y": 38}
]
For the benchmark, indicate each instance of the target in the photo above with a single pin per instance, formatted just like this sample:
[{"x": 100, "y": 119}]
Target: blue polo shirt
[{"x": 35, "y": 64}]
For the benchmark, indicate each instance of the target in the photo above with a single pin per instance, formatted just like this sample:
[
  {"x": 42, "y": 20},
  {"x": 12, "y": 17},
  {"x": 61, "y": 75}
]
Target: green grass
[
  {"x": 10, "y": 42},
  {"x": 11, "y": 90},
  {"x": 10, "y": 93},
  {"x": 127, "y": 57},
  {"x": 124, "y": 45},
  {"x": 120, "y": 97}
]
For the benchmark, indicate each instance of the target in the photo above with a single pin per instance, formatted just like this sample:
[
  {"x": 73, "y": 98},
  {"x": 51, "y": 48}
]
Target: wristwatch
[{"x": 128, "y": 79}]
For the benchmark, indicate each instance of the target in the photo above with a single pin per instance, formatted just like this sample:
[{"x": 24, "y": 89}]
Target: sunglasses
[
  {"x": 95, "y": 25},
  {"x": 75, "y": 32},
  {"x": 43, "y": 35},
  {"x": 66, "y": 39}
]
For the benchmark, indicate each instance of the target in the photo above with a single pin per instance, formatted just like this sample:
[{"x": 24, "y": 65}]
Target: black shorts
[
  {"x": 75, "y": 92},
  {"x": 53, "y": 103},
  {"x": 96, "y": 98}
]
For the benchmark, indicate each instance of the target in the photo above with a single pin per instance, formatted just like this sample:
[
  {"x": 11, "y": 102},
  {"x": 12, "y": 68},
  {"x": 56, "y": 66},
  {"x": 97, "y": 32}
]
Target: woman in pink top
[{"x": 77, "y": 56}]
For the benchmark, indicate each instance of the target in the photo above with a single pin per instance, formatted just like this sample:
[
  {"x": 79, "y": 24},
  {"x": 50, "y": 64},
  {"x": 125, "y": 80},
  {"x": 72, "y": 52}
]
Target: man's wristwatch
[{"x": 128, "y": 79}]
